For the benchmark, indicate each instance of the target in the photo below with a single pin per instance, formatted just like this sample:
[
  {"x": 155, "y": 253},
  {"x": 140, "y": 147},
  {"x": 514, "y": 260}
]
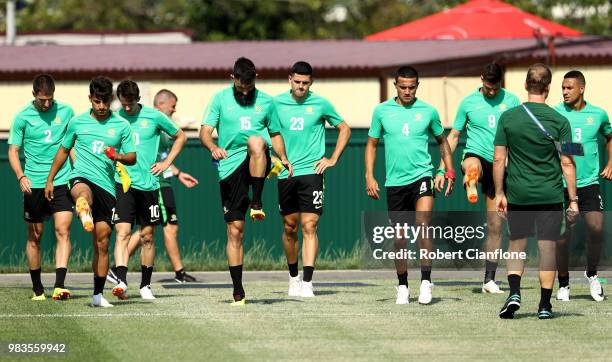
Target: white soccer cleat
[
  {"x": 98, "y": 300},
  {"x": 491, "y": 287},
  {"x": 120, "y": 291},
  {"x": 403, "y": 294},
  {"x": 563, "y": 294},
  {"x": 146, "y": 293},
  {"x": 425, "y": 293},
  {"x": 306, "y": 290},
  {"x": 597, "y": 292},
  {"x": 295, "y": 286}
]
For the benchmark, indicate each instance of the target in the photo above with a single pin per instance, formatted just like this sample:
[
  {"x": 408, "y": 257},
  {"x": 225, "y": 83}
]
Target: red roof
[{"x": 476, "y": 19}]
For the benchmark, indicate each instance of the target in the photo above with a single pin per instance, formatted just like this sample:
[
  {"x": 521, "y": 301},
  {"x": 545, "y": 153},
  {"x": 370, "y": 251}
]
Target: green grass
[{"x": 344, "y": 322}]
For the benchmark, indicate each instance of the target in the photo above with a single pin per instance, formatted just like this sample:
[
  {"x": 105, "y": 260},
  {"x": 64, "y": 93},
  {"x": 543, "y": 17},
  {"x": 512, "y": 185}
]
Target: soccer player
[
  {"x": 479, "y": 112},
  {"x": 586, "y": 121},
  {"x": 529, "y": 139},
  {"x": 242, "y": 116},
  {"x": 39, "y": 128},
  {"x": 96, "y": 136},
  {"x": 302, "y": 116},
  {"x": 404, "y": 123},
  {"x": 139, "y": 204}
]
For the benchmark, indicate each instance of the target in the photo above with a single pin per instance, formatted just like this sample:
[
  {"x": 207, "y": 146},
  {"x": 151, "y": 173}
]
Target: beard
[{"x": 244, "y": 100}]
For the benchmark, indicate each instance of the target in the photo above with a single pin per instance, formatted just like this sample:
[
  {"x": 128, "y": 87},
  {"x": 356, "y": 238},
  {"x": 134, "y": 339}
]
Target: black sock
[
  {"x": 514, "y": 280},
  {"x": 236, "y": 274},
  {"x": 99, "y": 284},
  {"x": 545, "y": 298},
  {"x": 563, "y": 281},
  {"x": 591, "y": 273},
  {"x": 402, "y": 278},
  {"x": 426, "y": 273},
  {"x": 307, "y": 273},
  {"x": 60, "y": 277},
  {"x": 293, "y": 269},
  {"x": 258, "y": 185},
  {"x": 121, "y": 273},
  {"x": 490, "y": 268},
  {"x": 37, "y": 286},
  {"x": 179, "y": 273},
  {"x": 146, "y": 271}
]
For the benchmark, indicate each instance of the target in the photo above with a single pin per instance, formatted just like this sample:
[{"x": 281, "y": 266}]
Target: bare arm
[
  {"x": 58, "y": 161},
  {"x": 446, "y": 158},
  {"x": 13, "y": 156},
  {"x": 177, "y": 146},
  {"x": 607, "y": 171},
  {"x": 207, "y": 140},
  {"x": 278, "y": 144},
  {"x": 569, "y": 174},
  {"x": 344, "y": 133},
  {"x": 499, "y": 169},
  {"x": 453, "y": 140},
  {"x": 370, "y": 159},
  {"x": 126, "y": 158}
]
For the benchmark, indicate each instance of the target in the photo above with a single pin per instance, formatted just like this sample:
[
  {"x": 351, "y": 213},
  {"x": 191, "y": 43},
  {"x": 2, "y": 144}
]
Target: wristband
[
  {"x": 19, "y": 179},
  {"x": 440, "y": 171},
  {"x": 177, "y": 175},
  {"x": 450, "y": 174}
]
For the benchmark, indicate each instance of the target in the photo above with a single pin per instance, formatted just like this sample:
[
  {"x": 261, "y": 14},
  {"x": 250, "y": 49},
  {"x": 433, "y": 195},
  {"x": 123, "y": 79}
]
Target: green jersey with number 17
[
  {"x": 41, "y": 134},
  {"x": 236, "y": 123}
]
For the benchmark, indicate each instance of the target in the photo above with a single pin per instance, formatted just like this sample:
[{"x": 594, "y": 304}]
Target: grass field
[{"x": 353, "y": 318}]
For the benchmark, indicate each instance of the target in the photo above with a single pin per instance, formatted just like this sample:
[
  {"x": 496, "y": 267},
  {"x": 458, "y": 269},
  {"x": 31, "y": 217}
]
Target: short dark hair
[
  {"x": 406, "y": 71},
  {"x": 244, "y": 70},
  {"x": 493, "y": 73},
  {"x": 101, "y": 87},
  {"x": 43, "y": 83},
  {"x": 163, "y": 95},
  {"x": 576, "y": 74},
  {"x": 128, "y": 89},
  {"x": 538, "y": 79},
  {"x": 302, "y": 68}
]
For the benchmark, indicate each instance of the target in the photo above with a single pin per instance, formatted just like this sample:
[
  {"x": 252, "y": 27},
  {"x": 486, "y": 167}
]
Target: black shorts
[
  {"x": 404, "y": 198},
  {"x": 37, "y": 209},
  {"x": 103, "y": 202},
  {"x": 301, "y": 194},
  {"x": 137, "y": 207},
  {"x": 548, "y": 219},
  {"x": 487, "y": 186},
  {"x": 235, "y": 190},
  {"x": 589, "y": 198},
  {"x": 167, "y": 205}
]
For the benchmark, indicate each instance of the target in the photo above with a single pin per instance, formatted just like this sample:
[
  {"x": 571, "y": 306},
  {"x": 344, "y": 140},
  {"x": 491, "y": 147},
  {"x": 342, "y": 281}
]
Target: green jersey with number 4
[
  {"x": 405, "y": 131},
  {"x": 586, "y": 124},
  {"x": 236, "y": 123},
  {"x": 90, "y": 137},
  {"x": 302, "y": 125},
  {"x": 146, "y": 126},
  {"x": 481, "y": 115},
  {"x": 40, "y": 134}
]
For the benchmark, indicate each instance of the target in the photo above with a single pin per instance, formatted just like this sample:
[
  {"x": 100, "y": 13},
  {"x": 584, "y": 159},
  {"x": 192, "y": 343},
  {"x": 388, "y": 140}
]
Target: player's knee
[
  {"x": 102, "y": 245},
  {"x": 62, "y": 234},
  {"x": 291, "y": 228},
  {"x": 147, "y": 239},
  {"x": 256, "y": 145},
  {"x": 34, "y": 236},
  {"x": 235, "y": 234},
  {"x": 123, "y": 236},
  {"x": 309, "y": 228}
]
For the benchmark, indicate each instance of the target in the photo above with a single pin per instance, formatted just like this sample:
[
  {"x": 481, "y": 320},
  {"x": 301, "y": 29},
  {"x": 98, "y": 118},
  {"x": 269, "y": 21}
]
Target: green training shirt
[
  {"x": 302, "y": 126},
  {"x": 405, "y": 131},
  {"x": 236, "y": 123},
  {"x": 481, "y": 115},
  {"x": 90, "y": 137},
  {"x": 146, "y": 127},
  {"x": 40, "y": 134},
  {"x": 586, "y": 124},
  {"x": 533, "y": 174}
]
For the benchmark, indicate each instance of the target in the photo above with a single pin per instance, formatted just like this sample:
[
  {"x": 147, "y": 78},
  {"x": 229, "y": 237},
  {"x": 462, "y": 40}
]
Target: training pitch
[{"x": 353, "y": 317}]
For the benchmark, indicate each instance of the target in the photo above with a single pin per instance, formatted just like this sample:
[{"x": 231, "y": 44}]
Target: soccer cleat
[
  {"x": 491, "y": 287},
  {"x": 84, "y": 212},
  {"x": 184, "y": 278},
  {"x": 146, "y": 293},
  {"x": 120, "y": 291},
  {"x": 425, "y": 293},
  {"x": 295, "y": 286},
  {"x": 597, "y": 292},
  {"x": 61, "y": 294},
  {"x": 403, "y": 295},
  {"x": 545, "y": 313},
  {"x": 39, "y": 297},
  {"x": 124, "y": 176},
  {"x": 98, "y": 300},
  {"x": 471, "y": 183},
  {"x": 257, "y": 213},
  {"x": 512, "y": 304},
  {"x": 563, "y": 294},
  {"x": 277, "y": 166},
  {"x": 306, "y": 290},
  {"x": 112, "y": 275}
]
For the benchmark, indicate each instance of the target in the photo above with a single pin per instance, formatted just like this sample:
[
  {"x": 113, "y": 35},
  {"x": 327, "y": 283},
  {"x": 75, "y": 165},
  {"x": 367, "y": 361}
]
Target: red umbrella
[{"x": 476, "y": 19}]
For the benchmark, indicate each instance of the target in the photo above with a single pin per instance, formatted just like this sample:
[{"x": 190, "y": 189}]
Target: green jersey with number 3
[
  {"x": 146, "y": 126},
  {"x": 40, "y": 134},
  {"x": 90, "y": 137},
  {"x": 236, "y": 123},
  {"x": 405, "y": 131},
  {"x": 481, "y": 115},
  {"x": 302, "y": 126},
  {"x": 586, "y": 124}
]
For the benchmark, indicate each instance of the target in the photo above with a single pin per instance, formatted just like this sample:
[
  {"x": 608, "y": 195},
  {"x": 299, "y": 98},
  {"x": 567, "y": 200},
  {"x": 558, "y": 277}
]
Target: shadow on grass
[
  {"x": 415, "y": 300},
  {"x": 266, "y": 301},
  {"x": 197, "y": 286},
  {"x": 534, "y": 315}
]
